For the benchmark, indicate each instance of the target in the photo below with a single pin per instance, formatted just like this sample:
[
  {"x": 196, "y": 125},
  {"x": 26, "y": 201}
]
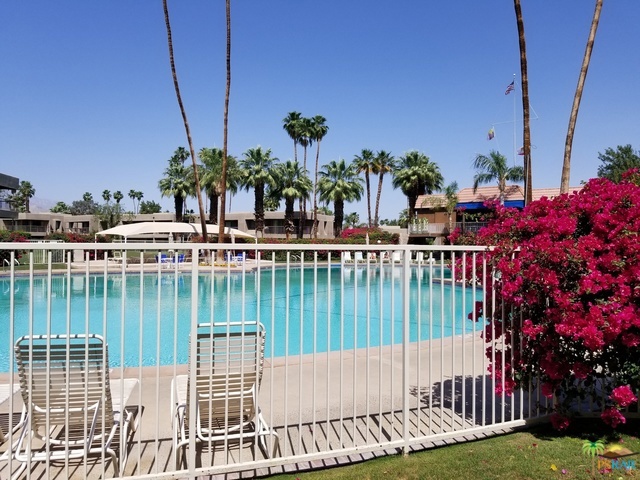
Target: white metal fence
[{"x": 379, "y": 353}]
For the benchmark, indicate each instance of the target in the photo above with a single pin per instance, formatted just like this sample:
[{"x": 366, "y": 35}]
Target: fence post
[{"x": 406, "y": 278}]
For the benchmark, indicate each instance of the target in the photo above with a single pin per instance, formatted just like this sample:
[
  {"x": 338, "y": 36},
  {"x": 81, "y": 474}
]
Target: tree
[
  {"x": 117, "y": 196},
  {"x": 339, "y": 183},
  {"x": 291, "y": 124},
  {"x": 319, "y": 131},
  {"x": 135, "y": 195},
  {"x": 352, "y": 220},
  {"x": 383, "y": 163},
  {"x": 616, "y": 162},
  {"x": 573, "y": 118},
  {"x": 176, "y": 182},
  {"x": 86, "y": 206},
  {"x": 526, "y": 135},
  {"x": 21, "y": 199},
  {"x": 106, "y": 196},
  {"x": 203, "y": 221},
  {"x": 494, "y": 168},
  {"x": 225, "y": 152},
  {"x": 403, "y": 218},
  {"x": 291, "y": 183},
  {"x": 416, "y": 175},
  {"x": 150, "y": 207},
  {"x": 363, "y": 163},
  {"x": 305, "y": 138},
  {"x": 211, "y": 180},
  {"x": 451, "y": 201},
  {"x": 60, "y": 207},
  {"x": 257, "y": 164}
]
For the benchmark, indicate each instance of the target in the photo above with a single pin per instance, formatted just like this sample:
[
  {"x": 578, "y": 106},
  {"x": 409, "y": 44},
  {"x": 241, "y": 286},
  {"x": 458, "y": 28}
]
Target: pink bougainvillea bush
[{"x": 568, "y": 269}]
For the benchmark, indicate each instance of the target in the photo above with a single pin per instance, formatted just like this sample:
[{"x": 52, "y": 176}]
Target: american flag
[{"x": 510, "y": 88}]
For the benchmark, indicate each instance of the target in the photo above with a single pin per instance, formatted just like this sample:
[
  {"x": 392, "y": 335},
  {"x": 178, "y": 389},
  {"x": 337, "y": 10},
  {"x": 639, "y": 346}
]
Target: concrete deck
[{"x": 352, "y": 402}]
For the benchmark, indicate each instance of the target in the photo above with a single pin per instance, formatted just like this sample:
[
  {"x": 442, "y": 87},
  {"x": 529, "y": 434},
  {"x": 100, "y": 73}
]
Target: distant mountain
[{"x": 40, "y": 205}]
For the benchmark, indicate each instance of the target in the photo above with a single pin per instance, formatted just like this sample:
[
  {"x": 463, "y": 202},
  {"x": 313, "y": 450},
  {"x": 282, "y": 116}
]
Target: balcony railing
[{"x": 362, "y": 356}]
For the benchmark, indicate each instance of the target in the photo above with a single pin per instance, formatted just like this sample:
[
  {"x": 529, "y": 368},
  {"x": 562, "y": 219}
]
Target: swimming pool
[{"x": 303, "y": 310}]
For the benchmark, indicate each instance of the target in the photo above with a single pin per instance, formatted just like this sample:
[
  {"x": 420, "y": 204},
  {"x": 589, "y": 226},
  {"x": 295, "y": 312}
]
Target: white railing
[{"x": 361, "y": 356}]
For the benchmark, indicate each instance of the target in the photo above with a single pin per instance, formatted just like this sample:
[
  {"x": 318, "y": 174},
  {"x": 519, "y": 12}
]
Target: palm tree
[
  {"x": 211, "y": 168},
  {"x": 526, "y": 135},
  {"x": 138, "y": 196},
  {"x": 593, "y": 449},
  {"x": 451, "y": 200},
  {"x": 363, "y": 163},
  {"x": 383, "y": 163},
  {"x": 339, "y": 183},
  {"x": 176, "y": 184},
  {"x": 305, "y": 138},
  {"x": 106, "y": 196},
  {"x": 257, "y": 165},
  {"x": 494, "y": 168},
  {"x": 87, "y": 197},
  {"x": 291, "y": 183},
  {"x": 26, "y": 192},
  {"x": 117, "y": 196},
  {"x": 352, "y": 220},
  {"x": 203, "y": 221},
  {"x": 566, "y": 164},
  {"x": 225, "y": 151},
  {"x": 132, "y": 196},
  {"x": 319, "y": 131},
  {"x": 291, "y": 125},
  {"x": 416, "y": 175}
]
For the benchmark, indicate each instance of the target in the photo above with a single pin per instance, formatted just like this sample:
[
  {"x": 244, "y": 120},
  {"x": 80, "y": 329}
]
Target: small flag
[
  {"x": 510, "y": 88},
  {"x": 491, "y": 134},
  {"x": 521, "y": 151}
]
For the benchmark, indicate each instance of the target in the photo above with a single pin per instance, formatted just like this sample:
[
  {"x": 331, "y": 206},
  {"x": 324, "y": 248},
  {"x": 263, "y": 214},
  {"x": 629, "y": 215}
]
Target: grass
[{"x": 538, "y": 453}]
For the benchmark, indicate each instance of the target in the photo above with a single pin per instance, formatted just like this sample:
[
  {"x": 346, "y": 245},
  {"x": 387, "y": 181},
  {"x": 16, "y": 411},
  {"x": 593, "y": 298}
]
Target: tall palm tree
[
  {"x": 291, "y": 183},
  {"x": 106, "y": 196},
  {"x": 319, "y": 131},
  {"x": 132, "y": 196},
  {"x": 203, "y": 221},
  {"x": 363, "y": 163},
  {"x": 211, "y": 180},
  {"x": 566, "y": 164},
  {"x": 291, "y": 125},
  {"x": 383, "y": 163},
  {"x": 117, "y": 196},
  {"x": 526, "y": 135},
  {"x": 176, "y": 184},
  {"x": 415, "y": 174},
  {"x": 339, "y": 183},
  {"x": 305, "y": 138},
  {"x": 225, "y": 151},
  {"x": 257, "y": 164},
  {"x": 494, "y": 168}
]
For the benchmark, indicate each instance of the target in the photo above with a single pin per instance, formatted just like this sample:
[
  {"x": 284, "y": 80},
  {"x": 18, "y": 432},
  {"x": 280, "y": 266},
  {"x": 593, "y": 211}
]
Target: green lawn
[{"x": 538, "y": 453}]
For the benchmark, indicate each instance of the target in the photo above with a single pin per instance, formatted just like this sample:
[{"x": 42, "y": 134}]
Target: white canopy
[{"x": 143, "y": 228}]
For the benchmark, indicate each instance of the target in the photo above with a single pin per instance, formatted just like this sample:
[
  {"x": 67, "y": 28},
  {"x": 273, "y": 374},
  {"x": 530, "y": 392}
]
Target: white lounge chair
[
  {"x": 229, "y": 361},
  {"x": 396, "y": 256},
  {"x": 346, "y": 257},
  {"x": 73, "y": 410},
  {"x": 358, "y": 257},
  {"x": 11, "y": 423}
]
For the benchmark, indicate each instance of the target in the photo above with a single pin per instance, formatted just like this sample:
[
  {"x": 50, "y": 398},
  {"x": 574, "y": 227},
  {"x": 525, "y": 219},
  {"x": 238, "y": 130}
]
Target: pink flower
[
  {"x": 560, "y": 422},
  {"x": 623, "y": 396},
  {"x": 612, "y": 416},
  {"x": 547, "y": 390}
]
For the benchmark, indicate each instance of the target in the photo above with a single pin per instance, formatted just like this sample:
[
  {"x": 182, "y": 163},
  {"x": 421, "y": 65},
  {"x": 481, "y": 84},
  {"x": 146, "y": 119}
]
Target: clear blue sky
[{"x": 87, "y": 102}]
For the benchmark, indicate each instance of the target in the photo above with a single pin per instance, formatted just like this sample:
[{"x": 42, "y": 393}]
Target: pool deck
[{"x": 366, "y": 404}]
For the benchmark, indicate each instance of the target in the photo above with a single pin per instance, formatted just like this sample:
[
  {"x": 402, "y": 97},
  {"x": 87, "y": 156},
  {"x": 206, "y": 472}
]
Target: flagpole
[{"x": 514, "y": 121}]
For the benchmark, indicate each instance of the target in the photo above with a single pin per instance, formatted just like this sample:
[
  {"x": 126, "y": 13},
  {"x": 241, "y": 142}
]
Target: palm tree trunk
[
  {"x": 376, "y": 220},
  {"x": 203, "y": 220},
  {"x": 213, "y": 208},
  {"x": 259, "y": 208},
  {"x": 339, "y": 218},
  {"x": 223, "y": 180},
  {"x": 178, "y": 204},
  {"x": 526, "y": 135},
  {"x": 315, "y": 193},
  {"x": 368, "y": 182},
  {"x": 566, "y": 164},
  {"x": 303, "y": 204}
]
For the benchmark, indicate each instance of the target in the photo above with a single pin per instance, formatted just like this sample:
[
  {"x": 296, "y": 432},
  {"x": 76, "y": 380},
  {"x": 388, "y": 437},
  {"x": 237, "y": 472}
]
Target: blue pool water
[{"x": 155, "y": 319}]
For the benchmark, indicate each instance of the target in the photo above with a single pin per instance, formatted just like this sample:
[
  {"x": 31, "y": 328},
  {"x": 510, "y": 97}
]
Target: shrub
[
  {"x": 571, "y": 267},
  {"x": 11, "y": 236}
]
